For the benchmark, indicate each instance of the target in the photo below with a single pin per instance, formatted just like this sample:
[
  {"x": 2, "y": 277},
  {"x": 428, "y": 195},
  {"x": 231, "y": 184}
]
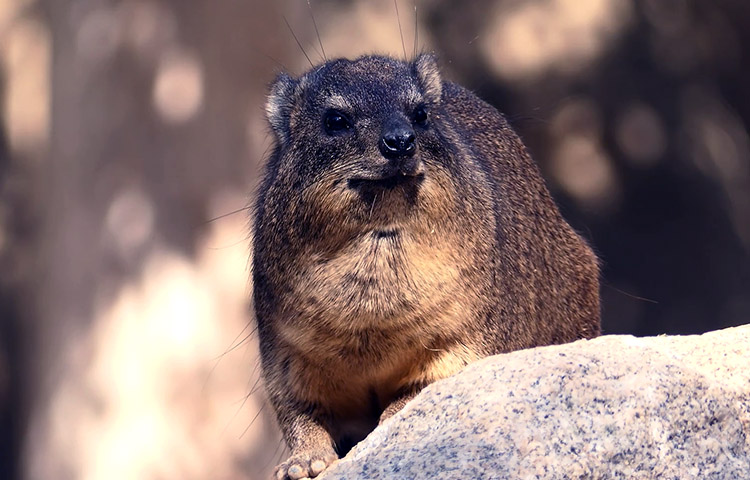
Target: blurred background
[{"x": 132, "y": 129}]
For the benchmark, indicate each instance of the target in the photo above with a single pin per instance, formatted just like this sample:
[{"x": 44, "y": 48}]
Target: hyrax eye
[
  {"x": 336, "y": 122},
  {"x": 419, "y": 117}
]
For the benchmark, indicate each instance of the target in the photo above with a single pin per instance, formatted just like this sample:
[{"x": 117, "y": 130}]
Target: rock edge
[{"x": 613, "y": 407}]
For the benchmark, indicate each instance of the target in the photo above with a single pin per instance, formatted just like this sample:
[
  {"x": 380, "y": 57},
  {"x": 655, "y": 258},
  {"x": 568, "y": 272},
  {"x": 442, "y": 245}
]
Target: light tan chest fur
[
  {"x": 399, "y": 287},
  {"x": 380, "y": 315}
]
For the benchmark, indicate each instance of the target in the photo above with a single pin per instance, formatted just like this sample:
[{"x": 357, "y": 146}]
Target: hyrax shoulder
[{"x": 401, "y": 232}]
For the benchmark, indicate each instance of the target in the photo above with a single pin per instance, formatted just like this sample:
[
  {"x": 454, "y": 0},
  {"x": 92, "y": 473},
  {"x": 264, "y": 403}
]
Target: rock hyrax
[{"x": 402, "y": 231}]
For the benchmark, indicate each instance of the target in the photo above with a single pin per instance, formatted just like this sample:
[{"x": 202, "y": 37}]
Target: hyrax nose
[{"x": 398, "y": 141}]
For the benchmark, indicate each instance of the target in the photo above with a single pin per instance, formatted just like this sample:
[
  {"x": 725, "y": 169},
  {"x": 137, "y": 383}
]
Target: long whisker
[
  {"x": 416, "y": 28},
  {"x": 254, "y": 419},
  {"x": 297, "y": 40},
  {"x": 224, "y": 215},
  {"x": 400, "y": 31},
  {"x": 333, "y": 174},
  {"x": 283, "y": 67},
  {"x": 372, "y": 207},
  {"x": 273, "y": 455},
  {"x": 235, "y": 344},
  {"x": 320, "y": 42}
]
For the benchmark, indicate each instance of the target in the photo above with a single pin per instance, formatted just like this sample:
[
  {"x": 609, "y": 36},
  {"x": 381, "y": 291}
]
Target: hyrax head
[{"x": 364, "y": 134}]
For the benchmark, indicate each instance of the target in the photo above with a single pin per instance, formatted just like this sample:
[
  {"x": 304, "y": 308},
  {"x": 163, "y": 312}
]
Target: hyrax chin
[{"x": 401, "y": 232}]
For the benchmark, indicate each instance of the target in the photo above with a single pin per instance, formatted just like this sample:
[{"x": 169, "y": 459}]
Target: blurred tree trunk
[
  {"x": 10, "y": 366},
  {"x": 125, "y": 133}
]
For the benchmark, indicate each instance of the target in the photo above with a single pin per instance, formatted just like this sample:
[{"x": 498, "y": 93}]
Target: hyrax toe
[{"x": 305, "y": 465}]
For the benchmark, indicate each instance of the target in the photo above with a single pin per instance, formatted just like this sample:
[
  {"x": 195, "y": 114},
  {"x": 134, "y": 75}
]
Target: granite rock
[{"x": 616, "y": 407}]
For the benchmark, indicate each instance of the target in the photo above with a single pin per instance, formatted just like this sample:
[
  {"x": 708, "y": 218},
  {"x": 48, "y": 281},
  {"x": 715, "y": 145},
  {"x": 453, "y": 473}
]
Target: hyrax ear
[
  {"x": 427, "y": 72},
  {"x": 279, "y": 106}
]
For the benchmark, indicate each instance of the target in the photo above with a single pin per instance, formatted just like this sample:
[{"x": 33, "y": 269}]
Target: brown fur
[{"x": 365, "y": 293}]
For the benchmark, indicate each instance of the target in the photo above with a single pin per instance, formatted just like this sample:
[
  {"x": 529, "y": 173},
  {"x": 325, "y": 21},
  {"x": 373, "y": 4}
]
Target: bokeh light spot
[
  {"x": 98, "y": 35},
  {"x": 528, "y": 38},
  {"x": 26, "y": 55},
  {"x": 585, "y": 171},
  {"x": 178, "y": 87},
  {"x": 641, "y": 135},
  {"x": 130, "y": 221}
]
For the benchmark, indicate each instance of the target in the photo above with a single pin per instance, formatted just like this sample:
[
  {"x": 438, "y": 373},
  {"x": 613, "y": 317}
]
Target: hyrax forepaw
[{"x": 305, "y": 465}]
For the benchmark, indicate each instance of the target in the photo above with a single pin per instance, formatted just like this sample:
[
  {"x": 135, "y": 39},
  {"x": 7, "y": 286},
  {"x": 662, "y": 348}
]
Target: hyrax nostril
[{"x": 398, "y": 142}]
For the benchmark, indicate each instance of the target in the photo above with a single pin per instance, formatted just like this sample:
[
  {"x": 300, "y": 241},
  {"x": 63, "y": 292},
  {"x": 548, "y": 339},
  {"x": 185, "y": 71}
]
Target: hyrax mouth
[
  {"x": 388, "y": 234},
  {"x": 385, "y": 183}
]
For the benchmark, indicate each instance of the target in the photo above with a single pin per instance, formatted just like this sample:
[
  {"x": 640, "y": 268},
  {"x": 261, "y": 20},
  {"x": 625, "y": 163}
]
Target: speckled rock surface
[{"x": 614, "y": 407}]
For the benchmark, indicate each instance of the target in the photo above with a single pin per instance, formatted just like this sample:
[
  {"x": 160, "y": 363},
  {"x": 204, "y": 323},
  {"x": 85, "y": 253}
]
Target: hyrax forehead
[
  {"x": 368, "y": 86},
  {"x": 365, "y": 85}
]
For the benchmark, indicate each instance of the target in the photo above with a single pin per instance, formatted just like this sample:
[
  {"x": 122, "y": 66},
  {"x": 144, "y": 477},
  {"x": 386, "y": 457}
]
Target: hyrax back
[{"x": 401, "y": 232}]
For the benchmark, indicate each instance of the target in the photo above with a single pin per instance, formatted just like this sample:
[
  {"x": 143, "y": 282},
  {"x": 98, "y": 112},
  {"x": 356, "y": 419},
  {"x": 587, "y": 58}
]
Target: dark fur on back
[{"x": 375, "y": 277}]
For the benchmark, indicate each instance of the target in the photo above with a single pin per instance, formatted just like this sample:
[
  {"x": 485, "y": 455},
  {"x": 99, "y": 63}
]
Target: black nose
[{"x": 397, "y": 142}]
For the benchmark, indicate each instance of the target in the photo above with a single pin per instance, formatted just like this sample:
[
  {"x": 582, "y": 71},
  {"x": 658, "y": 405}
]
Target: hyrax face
[{"x": 360, "y": 143}]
